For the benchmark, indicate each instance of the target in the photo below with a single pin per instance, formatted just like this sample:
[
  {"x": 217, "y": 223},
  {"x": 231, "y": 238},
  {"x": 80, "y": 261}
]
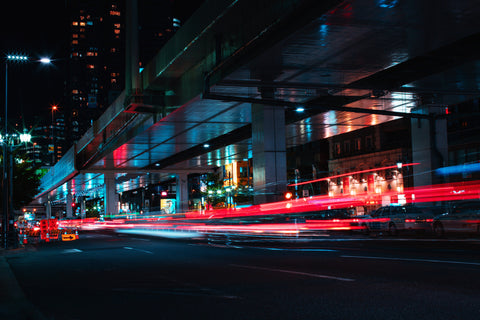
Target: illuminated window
[
  {"x": 113, "y": 50},
  {"x": 82, "y": 24},
  {"x": 75, "y": 36},
  {"x": 113, "y": 80},
  {"x": 75, "y": 91},
  {"x": 82, "y": 17},
  {"x": 75, "y": 42},
  {"x": 90, "y": 66},
  {"x": 82, "y": 29},
  {"x": 74, "y": 54},
  {"x": 337, "y": 149},
  {"x": 114, "y": 13},
  {"x": 116, "y": 25},
  {"x": 75, "y": 23},
  {"x": 116, "y": 31},
  {"x": 90, "y": 54}
]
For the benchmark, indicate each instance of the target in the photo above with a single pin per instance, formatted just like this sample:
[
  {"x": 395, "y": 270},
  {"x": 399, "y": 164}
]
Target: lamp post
[
  {"x": 8, "y": 142},
  {"x": 54, "y": 108}
]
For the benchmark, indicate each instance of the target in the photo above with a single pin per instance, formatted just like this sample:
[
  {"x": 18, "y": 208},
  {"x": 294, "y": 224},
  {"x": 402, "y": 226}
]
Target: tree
[{"x": 25, "y": 179}]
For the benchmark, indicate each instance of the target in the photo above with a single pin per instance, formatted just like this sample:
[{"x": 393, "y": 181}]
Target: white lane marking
[
  {"x": 314, "y": 275},
  {"x": 141, "y": 250},
  {"x": 411, "y": 259},
  {"x": 72, "y": 250}
]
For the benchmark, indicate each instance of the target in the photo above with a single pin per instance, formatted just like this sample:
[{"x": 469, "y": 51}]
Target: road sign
[{"x": 68, "y": 237}]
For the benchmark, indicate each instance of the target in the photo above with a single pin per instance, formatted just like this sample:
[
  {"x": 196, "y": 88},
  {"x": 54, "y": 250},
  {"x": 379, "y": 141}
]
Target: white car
[
  {"x": 463, "y": 217},
  {"x": 393, "y": 219}
]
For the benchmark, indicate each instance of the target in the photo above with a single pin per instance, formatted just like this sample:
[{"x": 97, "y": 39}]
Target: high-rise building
[
  {"x": 96, "y": 58},
  {"x": 95, "y": 64},
  {"x": 95, "y": 61}
]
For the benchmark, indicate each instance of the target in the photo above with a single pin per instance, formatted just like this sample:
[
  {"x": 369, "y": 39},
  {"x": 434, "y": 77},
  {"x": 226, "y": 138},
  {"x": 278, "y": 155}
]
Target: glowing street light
[
  {"x": 25, "y": 137},
  {"x": 7, "y": 143}
]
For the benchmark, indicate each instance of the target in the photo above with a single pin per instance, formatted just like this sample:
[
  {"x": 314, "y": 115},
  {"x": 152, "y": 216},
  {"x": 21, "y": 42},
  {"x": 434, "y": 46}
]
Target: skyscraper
[
  {"x": 96, "y": 65},
  {"x": 95, "y": 62}
]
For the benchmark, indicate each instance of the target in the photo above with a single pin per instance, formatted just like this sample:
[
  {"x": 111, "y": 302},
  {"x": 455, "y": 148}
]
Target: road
[{"x": 109, "y": 276}]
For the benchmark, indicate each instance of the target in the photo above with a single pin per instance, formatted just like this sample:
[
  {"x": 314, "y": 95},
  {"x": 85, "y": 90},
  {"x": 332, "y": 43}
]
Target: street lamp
[
  {"x": 54, "y": 108},
  {"x": 8, "y": 142}
]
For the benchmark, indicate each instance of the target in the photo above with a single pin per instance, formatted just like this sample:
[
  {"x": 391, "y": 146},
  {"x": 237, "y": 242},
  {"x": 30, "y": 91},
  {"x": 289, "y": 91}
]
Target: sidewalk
[{"x": 14, "y": 305}]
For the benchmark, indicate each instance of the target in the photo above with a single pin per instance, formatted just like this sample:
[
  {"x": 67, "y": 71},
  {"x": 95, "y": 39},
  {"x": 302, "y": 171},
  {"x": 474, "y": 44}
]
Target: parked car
[
  {"x": 393, "y": 219},
  {"x": 462, "y": 217}
]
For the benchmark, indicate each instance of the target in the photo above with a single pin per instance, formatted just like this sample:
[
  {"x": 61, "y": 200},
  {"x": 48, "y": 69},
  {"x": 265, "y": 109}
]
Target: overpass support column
[
  {"x": 110, "y": 198},
  {"x": 268, "y": 151},
  {"x": 48, "y": 209},
  {"x": 429, "y": 145},
  {"x": 83, "y": 212},
  {"x": 182, "y": 193},
  {"x": 68, "y": 208}
]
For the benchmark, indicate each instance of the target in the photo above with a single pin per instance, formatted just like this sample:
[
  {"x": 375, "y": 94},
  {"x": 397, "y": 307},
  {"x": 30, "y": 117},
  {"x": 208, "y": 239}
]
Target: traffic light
[{"x": 288, "y": 195}]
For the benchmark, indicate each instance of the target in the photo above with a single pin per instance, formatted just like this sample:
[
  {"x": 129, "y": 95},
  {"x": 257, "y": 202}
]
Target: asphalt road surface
[{"x": 108, "y": 276}]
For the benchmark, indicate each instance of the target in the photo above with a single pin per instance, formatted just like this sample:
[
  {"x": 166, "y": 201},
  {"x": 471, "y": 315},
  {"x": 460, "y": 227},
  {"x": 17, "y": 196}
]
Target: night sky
[
  {"x": 37, "y": 29},
  {"x": 40, "y": 29}
]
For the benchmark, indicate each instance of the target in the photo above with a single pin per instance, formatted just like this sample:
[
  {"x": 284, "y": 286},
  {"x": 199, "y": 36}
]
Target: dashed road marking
[
  {"x": 314, "y": 275},
  {"x": 412, "y": 259},
  {"x": 141, "y": 250},
  {"x": 71, "y": 251}
]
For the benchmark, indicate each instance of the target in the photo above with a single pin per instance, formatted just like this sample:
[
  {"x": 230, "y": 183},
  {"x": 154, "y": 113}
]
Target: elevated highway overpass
[{"x": 235, "y": 74}]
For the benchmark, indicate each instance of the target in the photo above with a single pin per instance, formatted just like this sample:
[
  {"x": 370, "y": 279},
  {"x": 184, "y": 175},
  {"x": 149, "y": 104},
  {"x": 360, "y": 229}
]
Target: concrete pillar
[
  {"x": 132, "y": 84},
  {"x": 429, "y": 146},
  {"x": 49, "y": 209},
  {"x": 182, "y": 193},
  {"x": 268, "y": 151},
  {"x": 110, "y": 198},
  {"x": 83, "y": 212},
  {"x": 69, "y": 205}
]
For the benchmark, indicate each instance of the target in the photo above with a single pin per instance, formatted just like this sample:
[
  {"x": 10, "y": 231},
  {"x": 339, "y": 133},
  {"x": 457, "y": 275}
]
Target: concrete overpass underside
[{"x": 349, "y": 64}]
